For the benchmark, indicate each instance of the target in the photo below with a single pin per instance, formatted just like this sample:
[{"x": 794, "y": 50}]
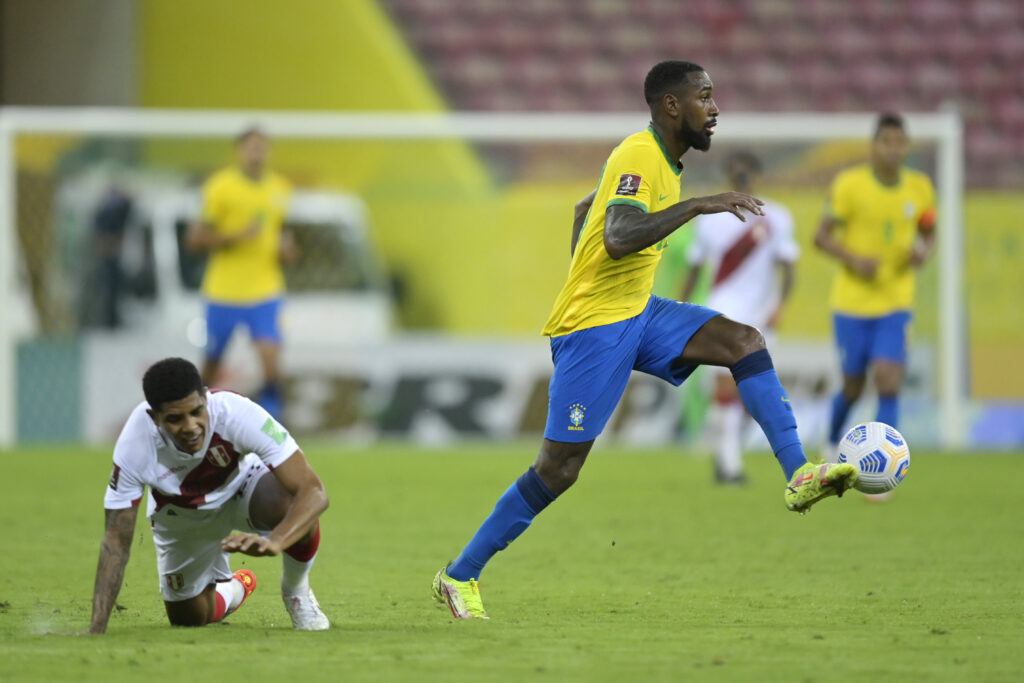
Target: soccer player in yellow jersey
[
  {"x": 879, "y": 225},
  {"x": 240, "y": 227},
  {"x": 606, "y": 323}
]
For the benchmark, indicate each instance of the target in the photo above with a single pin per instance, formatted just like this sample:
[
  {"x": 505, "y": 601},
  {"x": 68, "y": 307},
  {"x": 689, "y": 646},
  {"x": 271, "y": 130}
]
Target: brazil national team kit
[
  {"x": 881, "y": 222},
  {"x": 605, "y": 322}
]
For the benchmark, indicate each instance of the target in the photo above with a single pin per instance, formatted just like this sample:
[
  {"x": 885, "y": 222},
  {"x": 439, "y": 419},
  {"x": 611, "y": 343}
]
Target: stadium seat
[{"x": 561, "y": 56}]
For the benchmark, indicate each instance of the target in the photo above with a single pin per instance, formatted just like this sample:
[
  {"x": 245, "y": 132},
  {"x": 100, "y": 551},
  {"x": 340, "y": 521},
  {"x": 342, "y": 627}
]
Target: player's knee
[
  {"x": 888, "y": 379},
  {"x": 745, "y": 341},
  {"x": 853, "y": 387},
  {"x": 888, "y": 386},
  {"x": 270, "y": 502},
  {"x": 563, "y": 478},
  {"x": 559, "y": 475}
]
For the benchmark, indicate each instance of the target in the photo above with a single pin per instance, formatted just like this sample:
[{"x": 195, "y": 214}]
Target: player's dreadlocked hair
[
  {"x": 664, "y": 77},
  {"x": 888, "y": 119},
  {"x": 171, "y": 379}
]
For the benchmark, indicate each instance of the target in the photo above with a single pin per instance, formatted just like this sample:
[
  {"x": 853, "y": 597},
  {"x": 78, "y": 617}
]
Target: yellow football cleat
[
  {"x": 462, "y": 597},
  {"x": 812, "y": 482}
]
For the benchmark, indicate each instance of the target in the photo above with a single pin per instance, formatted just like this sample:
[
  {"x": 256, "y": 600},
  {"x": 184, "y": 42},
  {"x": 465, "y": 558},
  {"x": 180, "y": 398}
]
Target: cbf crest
[{"x": 576, "y": 414}]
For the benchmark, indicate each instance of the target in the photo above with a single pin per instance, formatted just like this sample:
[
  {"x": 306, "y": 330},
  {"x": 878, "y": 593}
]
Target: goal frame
[{"x": 943, "y": 128}]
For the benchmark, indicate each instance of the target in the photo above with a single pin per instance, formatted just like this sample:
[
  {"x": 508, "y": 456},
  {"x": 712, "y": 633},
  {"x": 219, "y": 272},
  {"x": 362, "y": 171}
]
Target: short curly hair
[
  {"x": 170, "y": 379},
  {"x": 664, "y": 77},
  {"x": 889, "y": 120}
]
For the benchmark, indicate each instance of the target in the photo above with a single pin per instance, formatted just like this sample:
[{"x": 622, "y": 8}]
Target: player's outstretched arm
[
  {"x": 579, "y": 216},
  {"x": 628, "y": 230},
  {"x": 114, "y": 552},
  {"x": 309, "y": 500}
]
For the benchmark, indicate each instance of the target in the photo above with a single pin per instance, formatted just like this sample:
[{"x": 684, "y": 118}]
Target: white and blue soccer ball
[{"x": 880, "y": 454}]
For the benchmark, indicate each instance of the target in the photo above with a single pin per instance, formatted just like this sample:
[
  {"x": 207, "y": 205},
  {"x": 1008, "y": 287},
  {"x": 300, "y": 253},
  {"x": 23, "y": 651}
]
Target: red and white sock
[
  {"x": 228, "y": 595},
  {"x": 297, "y": 561}
]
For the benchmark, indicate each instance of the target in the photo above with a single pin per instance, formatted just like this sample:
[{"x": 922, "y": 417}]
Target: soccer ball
[{"x": 879, "y": 453}]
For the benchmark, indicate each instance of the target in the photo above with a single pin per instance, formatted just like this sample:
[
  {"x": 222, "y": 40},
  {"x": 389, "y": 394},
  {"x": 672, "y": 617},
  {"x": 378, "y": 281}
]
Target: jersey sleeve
[
  {"x": 632, "y": 171},
  {"x": 253, "y": 430},
  {"x": 213, "y": 201},
  {"x": 841, "y": 199},
  {"x": 132, "y": 450}
]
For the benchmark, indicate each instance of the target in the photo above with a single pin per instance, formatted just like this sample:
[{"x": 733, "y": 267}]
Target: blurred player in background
[
  {"x": 240, "y": 227},
  {"x": 879, "y": 225},
  {"x": 214, "y": 462},
  {"x": 606, "y": 323},
  {"x": 752, "y": 262}
]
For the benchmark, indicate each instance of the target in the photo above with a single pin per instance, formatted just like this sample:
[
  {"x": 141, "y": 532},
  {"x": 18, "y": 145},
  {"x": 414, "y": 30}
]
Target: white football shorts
[{"x": 187, "y": 542}]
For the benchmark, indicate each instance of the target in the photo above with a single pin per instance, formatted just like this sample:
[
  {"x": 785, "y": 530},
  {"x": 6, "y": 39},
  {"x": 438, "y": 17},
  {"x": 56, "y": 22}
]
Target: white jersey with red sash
[
  {"x": 743, "y": 257},
  {"x": 146, "y": 456}
]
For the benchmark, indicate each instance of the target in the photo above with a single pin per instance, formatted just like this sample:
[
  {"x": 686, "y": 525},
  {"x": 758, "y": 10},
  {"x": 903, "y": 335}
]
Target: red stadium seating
[{"x": 781, "y": 55}]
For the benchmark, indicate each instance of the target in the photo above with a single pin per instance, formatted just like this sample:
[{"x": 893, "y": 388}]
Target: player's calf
[{"x": 214, "y": 603}]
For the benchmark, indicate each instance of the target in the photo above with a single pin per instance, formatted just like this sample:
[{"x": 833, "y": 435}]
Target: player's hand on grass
[
  {"x": 736, "y": 203},
  {"x": 250, "y": 544}
]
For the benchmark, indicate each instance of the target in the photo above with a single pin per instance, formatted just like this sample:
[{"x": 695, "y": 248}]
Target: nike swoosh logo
[{"x": 662, "y": 197}]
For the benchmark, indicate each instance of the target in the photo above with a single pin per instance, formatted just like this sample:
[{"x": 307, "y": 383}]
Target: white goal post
[{"x": 943, "y": 129}]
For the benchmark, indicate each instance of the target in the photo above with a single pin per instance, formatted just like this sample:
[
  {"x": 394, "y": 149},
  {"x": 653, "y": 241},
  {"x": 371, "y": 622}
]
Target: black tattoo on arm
[{"x": 114, "y": 553}]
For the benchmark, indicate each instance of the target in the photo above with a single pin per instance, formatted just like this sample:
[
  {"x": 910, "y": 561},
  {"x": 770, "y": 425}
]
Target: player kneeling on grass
[
  {"x": 215, "y": 462},
  {"x": 606, "y": 323}
]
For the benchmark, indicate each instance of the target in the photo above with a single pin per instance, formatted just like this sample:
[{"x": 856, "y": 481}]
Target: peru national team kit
[
  {"x": 195, "y": 500},
  {"x": 744, "y": 257}
]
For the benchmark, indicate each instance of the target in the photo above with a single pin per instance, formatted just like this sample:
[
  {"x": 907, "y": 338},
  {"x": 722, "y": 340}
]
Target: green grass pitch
[{"x": 643, "y": 571}]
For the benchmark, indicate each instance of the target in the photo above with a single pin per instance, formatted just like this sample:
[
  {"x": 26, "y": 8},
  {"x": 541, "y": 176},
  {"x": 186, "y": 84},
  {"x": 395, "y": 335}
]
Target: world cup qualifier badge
[
  {"x": 576, "y": 414},
  {"x": 629, "y": 185}
]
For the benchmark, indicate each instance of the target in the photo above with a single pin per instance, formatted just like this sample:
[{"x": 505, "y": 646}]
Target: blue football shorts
[
  {"x": 862, "y": 340},
  {"x": 593, "y": 365},
  {"x": 222, "y": 319}
]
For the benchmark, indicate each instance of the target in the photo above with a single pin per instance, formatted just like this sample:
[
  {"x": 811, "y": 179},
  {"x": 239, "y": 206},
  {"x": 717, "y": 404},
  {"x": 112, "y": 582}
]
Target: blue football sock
[
  {"x": 512, "y": 514},
  {"x": 840, "y": 411},
  {"x": 767, "y": 403},
  {"x": 889, "y": 410}
]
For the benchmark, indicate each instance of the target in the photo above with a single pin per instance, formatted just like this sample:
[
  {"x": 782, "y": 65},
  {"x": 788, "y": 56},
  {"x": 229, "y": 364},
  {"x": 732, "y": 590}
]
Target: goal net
[{"x": 431, "y": 249}]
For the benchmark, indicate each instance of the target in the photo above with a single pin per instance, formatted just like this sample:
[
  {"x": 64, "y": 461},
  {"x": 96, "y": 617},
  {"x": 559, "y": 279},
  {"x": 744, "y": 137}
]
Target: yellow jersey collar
[{"x": 676, "y": 166}]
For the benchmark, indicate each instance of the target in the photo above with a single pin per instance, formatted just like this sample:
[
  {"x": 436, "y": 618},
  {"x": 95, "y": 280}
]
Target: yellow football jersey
[
  {"x": 250, "y": 271},
  {"x": 878, "y": 221},
  {"x": 601, "y": 290}
]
